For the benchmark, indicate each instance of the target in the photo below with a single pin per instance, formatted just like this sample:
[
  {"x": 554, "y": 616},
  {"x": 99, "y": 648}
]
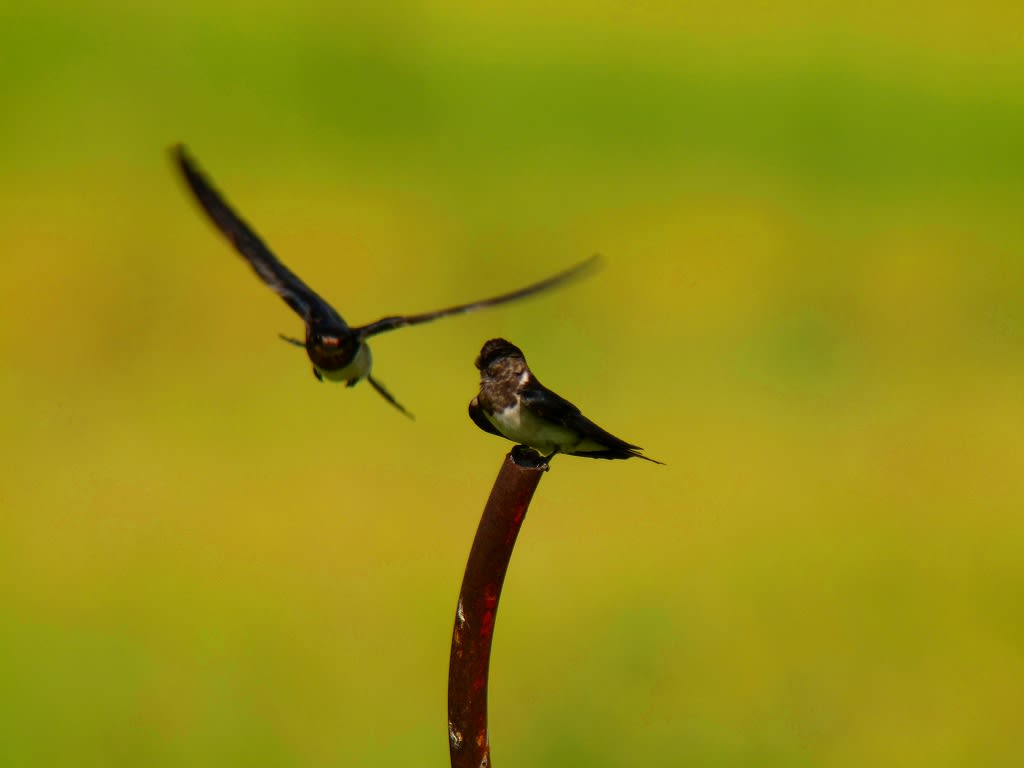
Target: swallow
[
  {"x": 513, "y": 404},
  {"x": 337, "y": 351}
]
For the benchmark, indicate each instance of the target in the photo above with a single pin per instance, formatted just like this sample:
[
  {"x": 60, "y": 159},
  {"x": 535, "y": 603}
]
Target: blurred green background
[{"x": 811, "y": 309}]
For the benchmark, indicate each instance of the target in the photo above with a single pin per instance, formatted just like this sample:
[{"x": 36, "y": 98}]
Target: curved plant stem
[{"x": 478, "y": 607}]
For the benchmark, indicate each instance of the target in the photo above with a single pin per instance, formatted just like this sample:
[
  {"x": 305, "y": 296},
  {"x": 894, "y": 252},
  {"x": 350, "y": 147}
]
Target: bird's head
[
  {"x": 498, "y": 356},
  {"x": 331, "y": 348}
]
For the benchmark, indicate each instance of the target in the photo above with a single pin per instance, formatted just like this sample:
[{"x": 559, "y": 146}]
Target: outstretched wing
[
  {"x": 400, "y": 321},
  {"x": 296, "y": 294}
]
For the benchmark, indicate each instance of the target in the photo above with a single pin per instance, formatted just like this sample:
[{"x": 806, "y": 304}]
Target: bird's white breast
[
  {"x": 357, "y": 370},
  {"x": 522, "y": 426}
]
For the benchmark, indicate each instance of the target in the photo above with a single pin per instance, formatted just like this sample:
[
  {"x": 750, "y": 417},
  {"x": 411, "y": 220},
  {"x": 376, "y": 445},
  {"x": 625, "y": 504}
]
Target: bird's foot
[{"x": 524, "y": 456}]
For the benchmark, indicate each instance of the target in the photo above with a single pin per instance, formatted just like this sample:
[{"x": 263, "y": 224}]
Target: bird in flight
[
  {"x": 513, "y": 404},
  {"x": 339, "y": 352}
]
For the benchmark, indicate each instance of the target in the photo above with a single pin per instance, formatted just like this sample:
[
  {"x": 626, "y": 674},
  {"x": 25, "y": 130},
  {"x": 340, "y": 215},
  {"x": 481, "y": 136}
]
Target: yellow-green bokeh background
[{"x": 811, "y": 309}]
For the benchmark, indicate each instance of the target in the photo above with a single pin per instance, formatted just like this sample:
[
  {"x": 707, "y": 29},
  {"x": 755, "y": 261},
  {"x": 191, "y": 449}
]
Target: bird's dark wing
[
  {"x": 400, "y": 321},
  {"x": 557, "y": 410},
  {"x": 617, "y": 453},
  {"x": 476, "y": 413},
  {"x": 554, "y": 408},
  {"x": 296, "y": 294}
]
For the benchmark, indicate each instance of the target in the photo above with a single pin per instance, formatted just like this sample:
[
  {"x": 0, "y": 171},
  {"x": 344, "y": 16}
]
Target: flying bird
[
  {"x": 339, "y": 352},
  {"x": 513, "y": 404}
]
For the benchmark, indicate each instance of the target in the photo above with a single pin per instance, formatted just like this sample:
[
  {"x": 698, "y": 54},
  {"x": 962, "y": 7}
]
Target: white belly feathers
[
  {"x": 522, "y": 426},
  {"x": 357, "y": 370}
]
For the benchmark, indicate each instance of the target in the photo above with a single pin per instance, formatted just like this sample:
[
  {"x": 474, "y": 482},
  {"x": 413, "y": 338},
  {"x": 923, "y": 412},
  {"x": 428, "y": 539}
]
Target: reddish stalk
[{"x": 477, "y": 609}]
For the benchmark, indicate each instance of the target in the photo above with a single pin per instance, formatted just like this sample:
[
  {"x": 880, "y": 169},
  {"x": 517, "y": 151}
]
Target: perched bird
[
  {"x": 514, "y": 405},
  {"x": 338, "y": 352}
]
